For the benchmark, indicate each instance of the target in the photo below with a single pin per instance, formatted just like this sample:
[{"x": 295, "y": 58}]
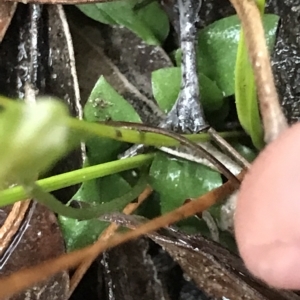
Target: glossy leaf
[
  {"x": 217, "y": 49},
  {"x": 78, "y": 234},
  {"x": 166, "y": 87},
  {"x": 177, "y": 181},
  {"x": 245, "y": 93},
  {"x": 104, "y": 104},
  {"x": 141, "y": 21}
]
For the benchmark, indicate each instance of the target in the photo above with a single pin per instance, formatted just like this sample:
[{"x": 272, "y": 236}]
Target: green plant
[{"x": 218, "y": 48}]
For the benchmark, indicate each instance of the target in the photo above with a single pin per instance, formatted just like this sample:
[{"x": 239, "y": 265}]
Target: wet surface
[
  {"x": 138, "y": 277},
  {"x": 38, "y": 239},
  {"x": 286, "y": 57},
  {"x": 137, "y": 270},
  {"x": 217, "y": 271}
]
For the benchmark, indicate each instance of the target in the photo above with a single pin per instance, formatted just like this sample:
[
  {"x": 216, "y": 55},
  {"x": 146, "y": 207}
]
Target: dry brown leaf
[
  {"x": 7, "y": 11},
  {"x": 216, "y": 270},
  {"x": 12, "y": 223}
]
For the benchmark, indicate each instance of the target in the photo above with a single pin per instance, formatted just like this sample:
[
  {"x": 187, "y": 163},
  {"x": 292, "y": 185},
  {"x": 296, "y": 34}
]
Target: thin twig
[{"x": 227, "y": 148}]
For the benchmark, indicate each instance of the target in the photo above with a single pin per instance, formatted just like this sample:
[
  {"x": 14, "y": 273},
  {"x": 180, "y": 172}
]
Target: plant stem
[
  {"x": 95, "y": 211},
  {"x": 87, "y": 129},
  {"x": 17, "y": 193}
]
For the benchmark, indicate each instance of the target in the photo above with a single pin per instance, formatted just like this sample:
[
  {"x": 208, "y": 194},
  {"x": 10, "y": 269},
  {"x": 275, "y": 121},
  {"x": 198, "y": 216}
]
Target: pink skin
[{"x": 267, "y": 219}]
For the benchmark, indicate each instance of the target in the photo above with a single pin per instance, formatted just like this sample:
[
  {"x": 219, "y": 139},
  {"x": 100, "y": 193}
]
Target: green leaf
[
  {"x": 217, "y": 49},
  {"x": 177, "y": 180},
  {"x": 78, "y": 234},
  {"x": 105, "y": 104},
  {"x": 245, "y": 93},
  {"x": 245, "y": 151},
  {"x": 153, "y": 30},
  {"x": 97, "y": 14},
  {"x": 27, "y": 144},
  {"x": 166, "y": 87}
]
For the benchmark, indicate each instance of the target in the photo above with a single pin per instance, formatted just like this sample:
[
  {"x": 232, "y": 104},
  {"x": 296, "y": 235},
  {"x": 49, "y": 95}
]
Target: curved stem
[{"x": 95, "y": 211}]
